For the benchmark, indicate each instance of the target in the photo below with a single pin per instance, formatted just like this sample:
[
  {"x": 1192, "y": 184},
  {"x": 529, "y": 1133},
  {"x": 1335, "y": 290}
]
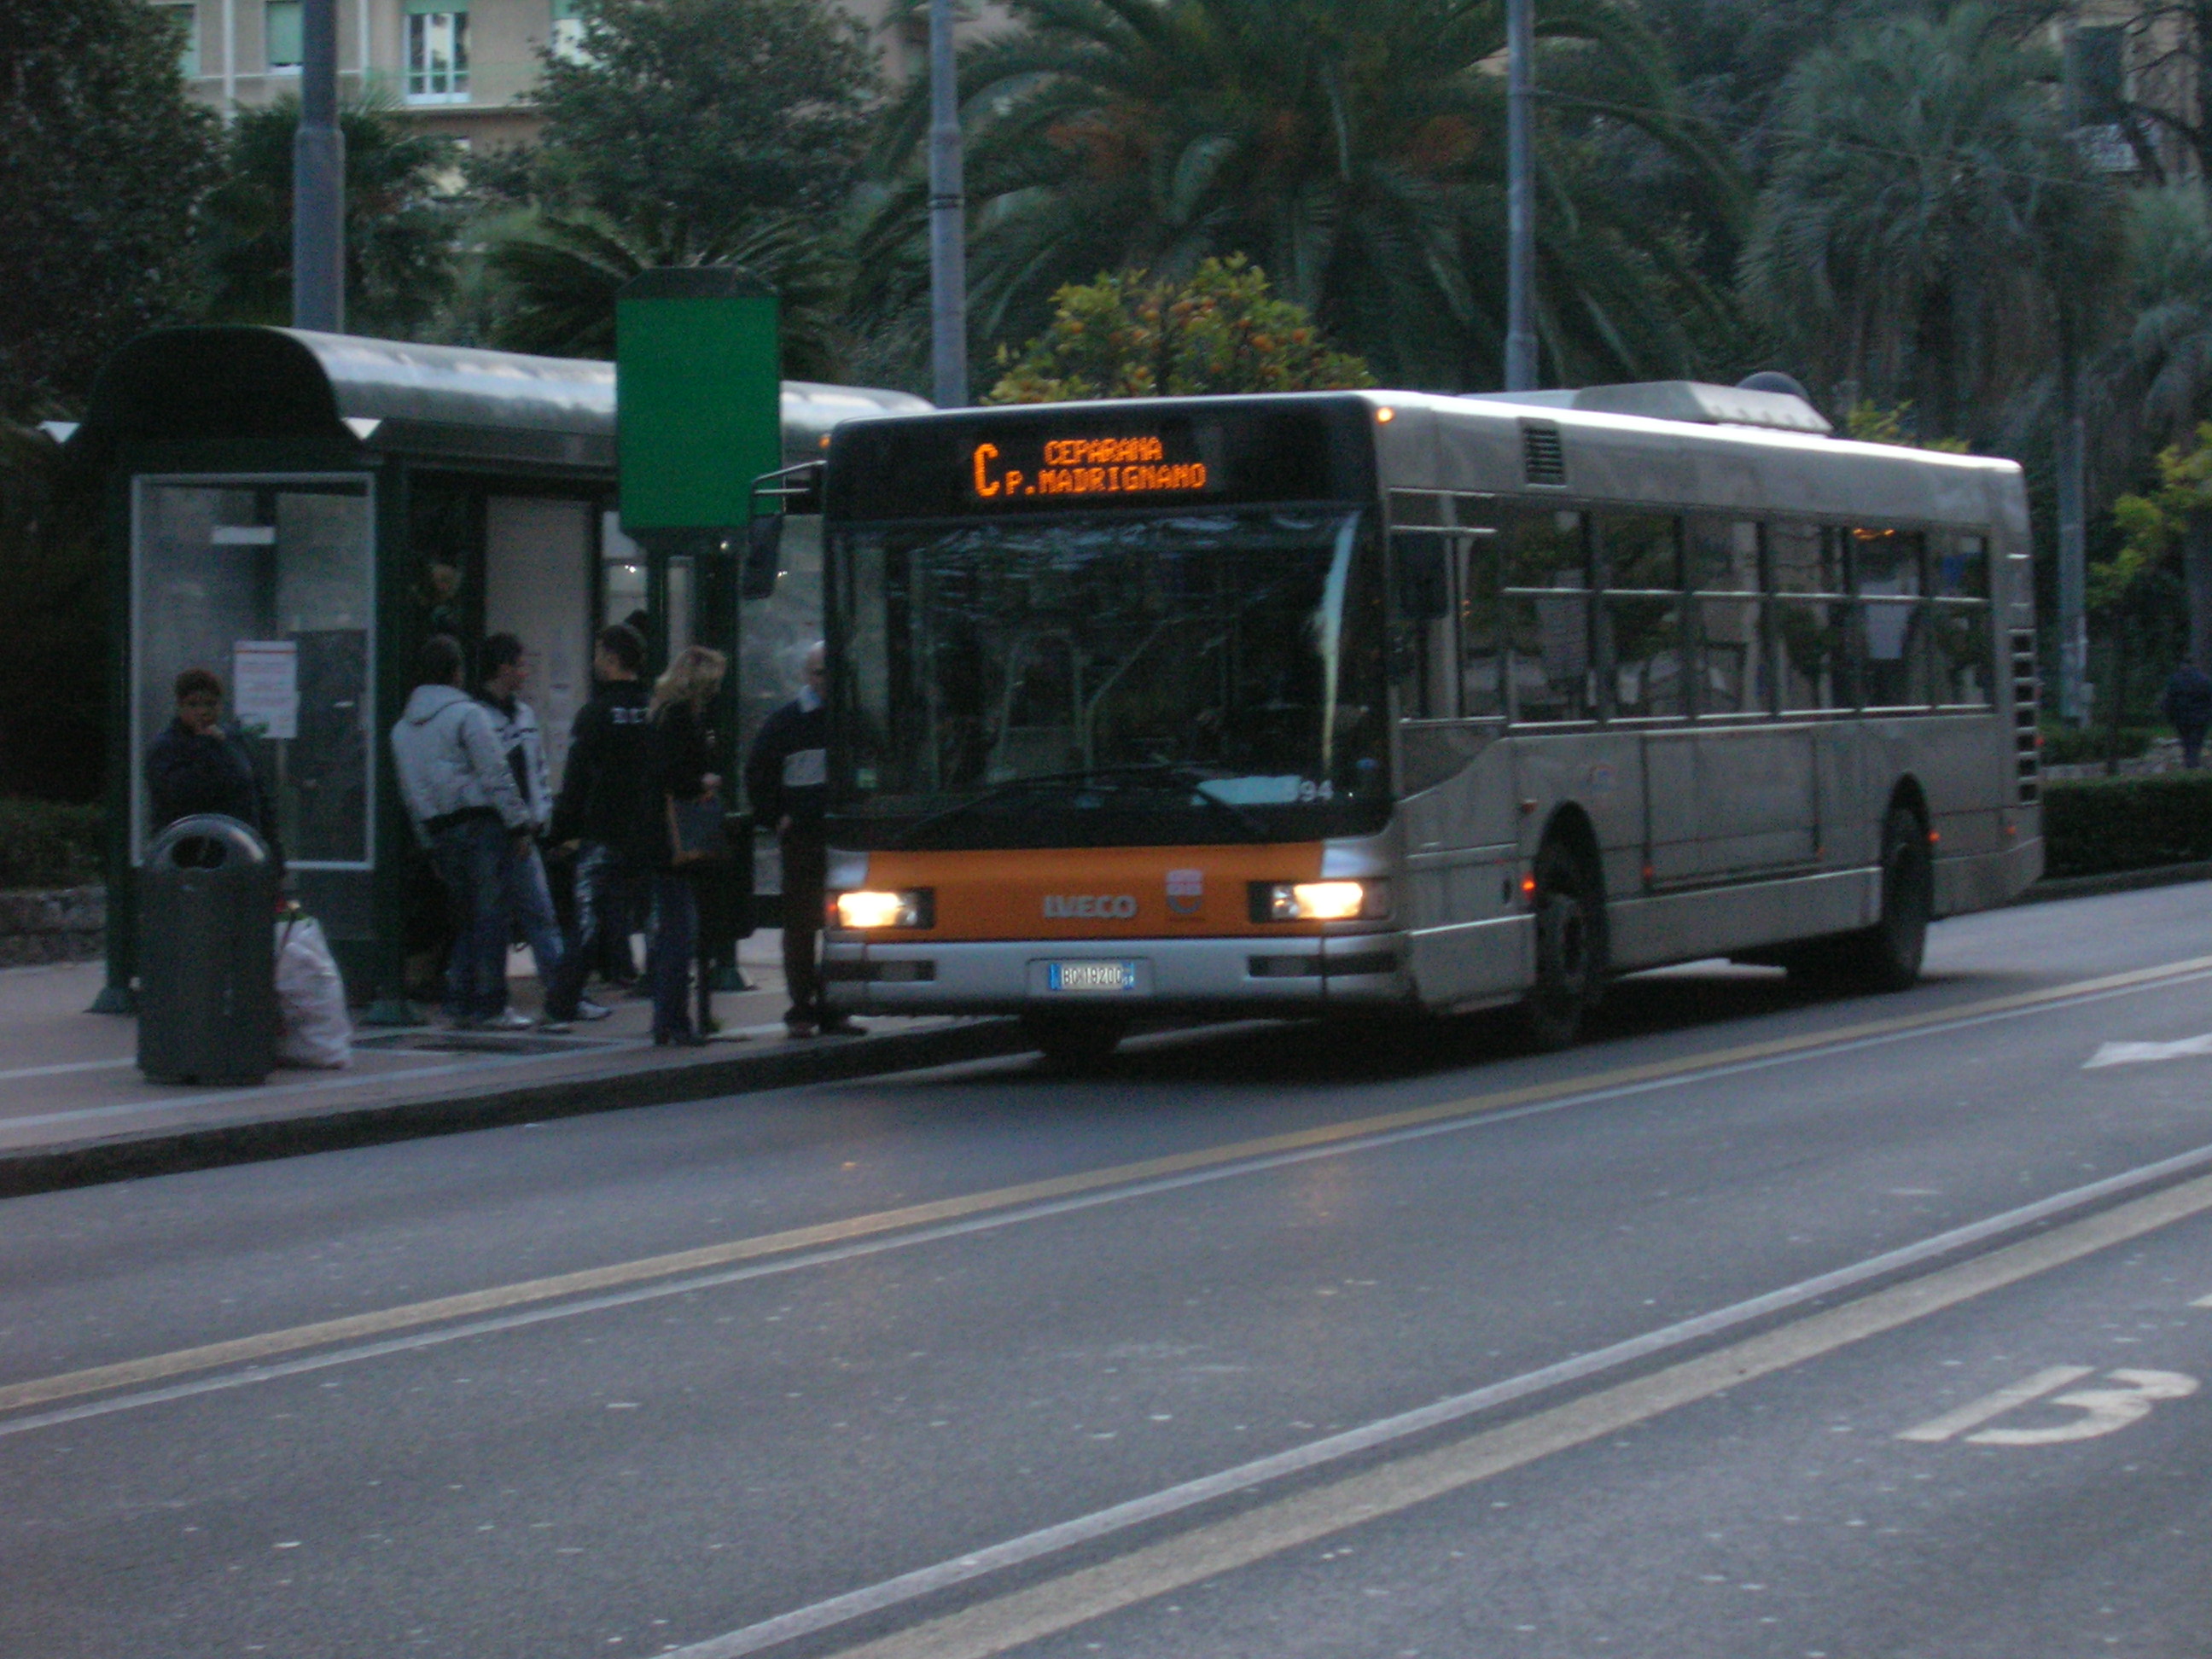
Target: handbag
[{"x": 695, "y": 832}]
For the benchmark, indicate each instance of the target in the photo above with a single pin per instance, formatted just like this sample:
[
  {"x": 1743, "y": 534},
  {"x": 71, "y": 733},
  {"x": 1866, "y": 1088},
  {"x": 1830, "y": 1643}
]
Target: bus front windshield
[{"x": 1202, "y": 677}]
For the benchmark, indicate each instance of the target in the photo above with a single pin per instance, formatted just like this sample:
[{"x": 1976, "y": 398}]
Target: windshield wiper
[{"x": 1162, "y": 772}]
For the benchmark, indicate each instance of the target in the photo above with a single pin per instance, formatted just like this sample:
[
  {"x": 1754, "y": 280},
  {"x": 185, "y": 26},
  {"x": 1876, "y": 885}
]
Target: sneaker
[
  {"x": 588, "y": 1010},
  {"x": 557, "y": 1027},
  {"x": 839, "y": 1026},
  {"x": 798, "y": 1028},
  {"x": 506, "y": 1019}
]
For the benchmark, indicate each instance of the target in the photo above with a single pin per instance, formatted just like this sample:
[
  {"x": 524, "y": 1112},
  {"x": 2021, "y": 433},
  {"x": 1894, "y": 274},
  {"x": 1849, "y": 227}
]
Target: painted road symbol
[{"x": 2102, "y": 1411}]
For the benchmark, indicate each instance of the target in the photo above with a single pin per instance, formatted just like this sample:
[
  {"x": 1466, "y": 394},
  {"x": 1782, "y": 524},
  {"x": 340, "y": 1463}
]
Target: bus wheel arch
[
  {"x": 1886, "y": 956},
  {"x": 1570, "y": 942}
]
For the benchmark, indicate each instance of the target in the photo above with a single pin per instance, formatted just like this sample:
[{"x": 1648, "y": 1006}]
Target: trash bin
[{"x": 207, "y": 969}]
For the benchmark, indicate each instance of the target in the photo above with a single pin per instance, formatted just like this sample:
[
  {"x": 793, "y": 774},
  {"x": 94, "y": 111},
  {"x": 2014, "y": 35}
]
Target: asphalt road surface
[{"x": 1754, "y": 1326}]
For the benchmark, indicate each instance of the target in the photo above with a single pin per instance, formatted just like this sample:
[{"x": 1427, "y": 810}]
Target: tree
[
  {"x": 706, "y": 114},
  {"x": 1128, "y": 336},
  {"x": 103, "y": 163},
  {"x": 53, "y": 676},
  {"x": 1930, "y": 234},
  {"x": 402, "y": 223},
  {"x": 1353, "y": 148},
  {"x": 559, "y": 275}
]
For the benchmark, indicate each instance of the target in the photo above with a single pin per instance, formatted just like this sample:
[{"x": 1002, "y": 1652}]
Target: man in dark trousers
[
  {"x": 2188, "y": 704},
  {"x": 609, "y": 811},
  {"x": 787, "y": 781}
]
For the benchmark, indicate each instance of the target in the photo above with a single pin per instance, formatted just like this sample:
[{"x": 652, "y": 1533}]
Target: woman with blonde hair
[{"x": 691, "y": 789}]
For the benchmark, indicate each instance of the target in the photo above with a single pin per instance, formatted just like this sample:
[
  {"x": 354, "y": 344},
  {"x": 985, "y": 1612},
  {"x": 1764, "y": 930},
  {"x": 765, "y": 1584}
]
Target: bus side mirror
[
  {"x": 1423, "y": 586},
  {"x": 763, "y": 555}
]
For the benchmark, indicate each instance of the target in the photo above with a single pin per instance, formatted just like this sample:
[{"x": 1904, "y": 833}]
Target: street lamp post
[
  {"x": 1520, "y": 197},
  {"x": 948, "y": 229},
  {"x": 318, "y": 178}
]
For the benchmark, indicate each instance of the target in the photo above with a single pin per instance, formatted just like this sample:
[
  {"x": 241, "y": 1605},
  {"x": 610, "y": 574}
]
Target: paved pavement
[{"x": 1755, "y": 1327}]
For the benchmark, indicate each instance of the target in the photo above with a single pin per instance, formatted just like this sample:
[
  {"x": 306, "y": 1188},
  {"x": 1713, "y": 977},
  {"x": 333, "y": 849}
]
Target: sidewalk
[{"x": 73, "y": 1107}]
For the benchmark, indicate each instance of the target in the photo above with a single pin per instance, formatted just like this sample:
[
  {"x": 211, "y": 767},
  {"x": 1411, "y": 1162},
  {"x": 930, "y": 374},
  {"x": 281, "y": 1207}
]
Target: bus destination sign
[{"x": 1133, "y": 465}]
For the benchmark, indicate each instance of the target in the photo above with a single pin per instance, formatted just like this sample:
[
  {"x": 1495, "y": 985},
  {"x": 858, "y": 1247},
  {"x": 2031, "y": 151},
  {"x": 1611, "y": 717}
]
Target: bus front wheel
[
  {"x": 1072, "y": 1042},
  {"x": 1886, "y": 956},
  {"x": 1569, "y": 946}
]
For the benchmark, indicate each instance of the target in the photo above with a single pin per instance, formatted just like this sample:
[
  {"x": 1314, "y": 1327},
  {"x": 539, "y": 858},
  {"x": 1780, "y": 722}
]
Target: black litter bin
[{"x": 207, "y": 967}]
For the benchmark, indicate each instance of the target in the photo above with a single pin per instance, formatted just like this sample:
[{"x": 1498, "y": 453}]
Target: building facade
[{"x": 465, "y": 68}]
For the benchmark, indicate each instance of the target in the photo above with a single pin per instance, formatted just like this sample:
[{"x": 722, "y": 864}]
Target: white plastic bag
[{"x": 312, "y": 996}]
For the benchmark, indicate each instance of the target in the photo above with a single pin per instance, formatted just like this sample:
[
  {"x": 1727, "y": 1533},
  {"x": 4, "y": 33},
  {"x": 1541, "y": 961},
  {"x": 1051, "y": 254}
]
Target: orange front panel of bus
[{"x": 1098, "y": 892}]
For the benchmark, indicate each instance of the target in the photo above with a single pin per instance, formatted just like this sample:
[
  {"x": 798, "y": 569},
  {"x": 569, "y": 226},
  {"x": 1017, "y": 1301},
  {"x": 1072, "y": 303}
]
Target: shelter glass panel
[{"x": 268, "y": 583}]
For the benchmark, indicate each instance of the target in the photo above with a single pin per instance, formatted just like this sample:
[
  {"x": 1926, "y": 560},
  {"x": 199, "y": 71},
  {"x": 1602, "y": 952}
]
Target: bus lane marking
[
  {"x": 2103, "y": 1411},
  {"x": 1007, "y": 1205},
  {"x": 2138, "y": 1053},
  {"x": 1976, "y": 1413}
]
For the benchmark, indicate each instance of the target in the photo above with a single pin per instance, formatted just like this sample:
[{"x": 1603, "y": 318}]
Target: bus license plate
[{"x": 1091, "y": 975}]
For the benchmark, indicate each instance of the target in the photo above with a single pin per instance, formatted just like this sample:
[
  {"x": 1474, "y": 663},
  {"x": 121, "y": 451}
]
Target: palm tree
[
  {"x": 1930, "y": 235},
  {"x": 557, "y": 273},
  {"x": 1352, "y": 148}
]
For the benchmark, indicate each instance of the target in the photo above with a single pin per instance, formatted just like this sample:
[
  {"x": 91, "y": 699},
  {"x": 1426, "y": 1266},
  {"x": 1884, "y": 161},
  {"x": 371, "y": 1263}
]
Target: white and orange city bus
[{"x": 1343, "y": 702}]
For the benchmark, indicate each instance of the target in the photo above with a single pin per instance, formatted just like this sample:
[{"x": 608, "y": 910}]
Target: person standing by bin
[
  {"x": 195, "y": 766},
  {"x": 787, "y": 779},
  {"x": 607, "y": 814},
  {"x": 461, "y": 797},
  {"x": 2188, "y": 704},
  {"x": 525, "y": 898},
  {"x": 683, "y": 752}
]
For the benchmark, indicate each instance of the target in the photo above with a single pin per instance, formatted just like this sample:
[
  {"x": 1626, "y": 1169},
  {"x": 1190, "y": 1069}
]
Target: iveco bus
[{"x": 1354, "y": 701}]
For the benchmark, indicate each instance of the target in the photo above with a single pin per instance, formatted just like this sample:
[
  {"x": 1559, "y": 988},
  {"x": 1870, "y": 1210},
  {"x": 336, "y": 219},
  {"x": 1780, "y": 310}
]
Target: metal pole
[
  {"x": 948, "y": 219},
  {"x": 318, "y": 178},
  {"x": 1520, "y": 197},
  {"x": 2072, "y": 545}
]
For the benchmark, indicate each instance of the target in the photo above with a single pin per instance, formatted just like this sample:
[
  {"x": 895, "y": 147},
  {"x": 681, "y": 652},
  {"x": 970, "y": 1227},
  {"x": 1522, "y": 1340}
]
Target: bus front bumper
[{"x": 1244, "y": 976}]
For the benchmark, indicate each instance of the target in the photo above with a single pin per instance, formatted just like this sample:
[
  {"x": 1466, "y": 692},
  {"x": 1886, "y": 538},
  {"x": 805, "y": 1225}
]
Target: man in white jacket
[
  {"x": 525, "y": 899},
  {"x": 461, "y": 795}
]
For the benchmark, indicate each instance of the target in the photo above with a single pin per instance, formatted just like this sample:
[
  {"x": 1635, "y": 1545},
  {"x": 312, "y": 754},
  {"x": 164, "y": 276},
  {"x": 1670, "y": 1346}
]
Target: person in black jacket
[
  {"x": 787, "y": 780},
  {"x": 683, "y": 772},
  {"x": 606, "y": 811},
  {"x": 195, "y": 766},
  {"x": 2188, "y": 703}
]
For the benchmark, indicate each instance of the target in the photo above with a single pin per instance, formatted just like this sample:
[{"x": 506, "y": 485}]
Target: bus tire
[
  {"x": 1886, "y": 956},
  {"x": 1569, "y": 945},
  {"x": 1074, "y": 1043}
]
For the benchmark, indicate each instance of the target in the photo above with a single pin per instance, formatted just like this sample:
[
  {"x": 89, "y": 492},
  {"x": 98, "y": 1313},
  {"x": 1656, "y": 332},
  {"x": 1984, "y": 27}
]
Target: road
[{"x": 1754, "y": 1326}]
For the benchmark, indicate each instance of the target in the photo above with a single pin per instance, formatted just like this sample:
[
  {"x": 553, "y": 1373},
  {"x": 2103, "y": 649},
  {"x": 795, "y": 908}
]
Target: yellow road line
[
  {"x": 1026, "y": 1615},
  {"x": 270, "y": 1345}
]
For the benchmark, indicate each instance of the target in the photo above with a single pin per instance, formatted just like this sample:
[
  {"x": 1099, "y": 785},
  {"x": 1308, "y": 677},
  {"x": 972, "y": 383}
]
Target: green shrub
[
  {"x": 2071, "y": 745},
  {"x": 2101, "y": 824},
  {"x": 45, "y": 843}
]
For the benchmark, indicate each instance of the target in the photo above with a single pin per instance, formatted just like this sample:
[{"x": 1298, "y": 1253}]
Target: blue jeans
[
  {"x": 471, "y": 858},
  {"x": 675, "y": 942},
  {"x": 610, "y": 894},
  {"x": 526, "y": 902}
]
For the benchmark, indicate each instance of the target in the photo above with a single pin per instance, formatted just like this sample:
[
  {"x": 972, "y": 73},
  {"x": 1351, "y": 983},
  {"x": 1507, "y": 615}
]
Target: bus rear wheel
[
  {"x": 1886, "y": 956},
  {"x": 1072, "y": 1042},
  {"x": 1571, "y": 955}
]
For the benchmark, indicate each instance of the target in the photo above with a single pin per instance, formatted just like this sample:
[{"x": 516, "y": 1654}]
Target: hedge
[
  {"x": 2101, "y": 824},
  {"x": 2071, "y": 745},
  {"x": 45, "y": 843}
]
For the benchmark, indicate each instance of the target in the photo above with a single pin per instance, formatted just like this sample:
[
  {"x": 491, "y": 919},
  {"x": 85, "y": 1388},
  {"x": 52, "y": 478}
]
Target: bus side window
[
  {"x": 1729, "y": 634},
  {"x": 1959, "y": 638},
  {"x": 1887, "y": 581},
  {"x": 1544, "y": 606},
  {"x": 1810, "y": 607},
  {"x": 1422, "y": 647},
  {"x": 1482, "y": 644},
  {"x": 1641, "y": 622}
]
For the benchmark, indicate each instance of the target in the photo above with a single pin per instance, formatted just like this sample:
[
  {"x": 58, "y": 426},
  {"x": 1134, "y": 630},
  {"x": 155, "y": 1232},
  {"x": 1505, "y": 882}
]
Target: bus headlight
[
  {"x": 1320, "y": 901},
  {"x": 914, "y": 907}
]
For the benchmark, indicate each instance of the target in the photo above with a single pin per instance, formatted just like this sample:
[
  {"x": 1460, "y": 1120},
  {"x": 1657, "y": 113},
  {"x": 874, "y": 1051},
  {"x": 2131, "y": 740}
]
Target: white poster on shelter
[{"x": 264, "y": 686}]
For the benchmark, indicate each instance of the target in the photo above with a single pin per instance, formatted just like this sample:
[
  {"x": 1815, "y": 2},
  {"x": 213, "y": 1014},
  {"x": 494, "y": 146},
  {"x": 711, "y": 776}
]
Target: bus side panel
[
  {"x": 1600, "y": 774},
  {"x": 1465, "y": 939}
]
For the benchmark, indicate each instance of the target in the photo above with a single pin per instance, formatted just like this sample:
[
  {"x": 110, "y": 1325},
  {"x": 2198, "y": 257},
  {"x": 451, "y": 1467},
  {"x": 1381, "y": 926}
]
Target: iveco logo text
[{"x": 1060, "y": 905}]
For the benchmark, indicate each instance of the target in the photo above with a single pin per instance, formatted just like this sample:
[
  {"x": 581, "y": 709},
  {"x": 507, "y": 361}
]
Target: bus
[{"x": 1360, "y": 702}]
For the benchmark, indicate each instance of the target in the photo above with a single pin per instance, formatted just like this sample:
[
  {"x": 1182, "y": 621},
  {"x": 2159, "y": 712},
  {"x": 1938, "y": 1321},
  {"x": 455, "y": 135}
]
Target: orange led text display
[{"x": 1087, "y": 466}]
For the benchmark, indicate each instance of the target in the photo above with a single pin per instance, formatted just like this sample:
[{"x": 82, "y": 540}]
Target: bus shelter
[{"x": 298, "y": 511}]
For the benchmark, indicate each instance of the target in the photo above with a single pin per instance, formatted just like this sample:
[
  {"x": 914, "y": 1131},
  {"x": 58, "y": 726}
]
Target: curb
[
  {"x": 87, "y": 1162},
  {"x": 2114, "y": 881}
]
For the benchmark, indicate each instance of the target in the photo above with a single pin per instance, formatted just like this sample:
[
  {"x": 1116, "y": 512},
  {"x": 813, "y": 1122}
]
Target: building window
[
  {"x": 566, "y": 39},
  {"x": 283, "y": 34},
  {"x": 437, "y": 56},
  {"x": 187, "y": 18}
]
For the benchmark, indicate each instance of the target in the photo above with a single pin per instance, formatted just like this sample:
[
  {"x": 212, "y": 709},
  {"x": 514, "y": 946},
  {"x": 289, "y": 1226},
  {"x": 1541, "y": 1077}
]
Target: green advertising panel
[{"x": 698, "y": 397}]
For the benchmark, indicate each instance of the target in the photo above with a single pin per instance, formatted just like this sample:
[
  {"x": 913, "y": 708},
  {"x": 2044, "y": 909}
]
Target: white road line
[
  {"x": 63, "y": 1070},
  {"x": 2137, "y": 1054}
]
